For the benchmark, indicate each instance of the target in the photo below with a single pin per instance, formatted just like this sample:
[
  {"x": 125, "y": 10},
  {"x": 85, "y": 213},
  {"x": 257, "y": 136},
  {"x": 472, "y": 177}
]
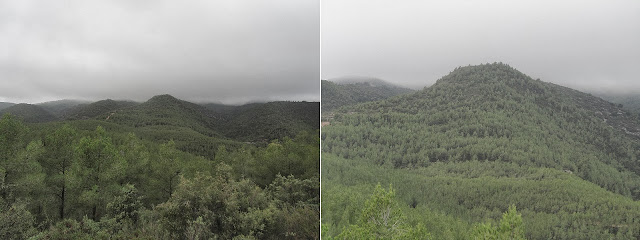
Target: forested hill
[
  {"x": 494, "y": 112},
  {"x": 351, "y": 91},
  {"x": 60, "y": 108},
  {"x": 4, "y": 105},
  {"x": 486, "y": 129},
  {"x": 96, "y": 109},
  {"x": 161, "y": 169},
  {"x": 168, "y": 111},
  {"x": 255, "y": 122},
  {"x": 273, "y": 120},
  {"x": 29, "y": 113}
]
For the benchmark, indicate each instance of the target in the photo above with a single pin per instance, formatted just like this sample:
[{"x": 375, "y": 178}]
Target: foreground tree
[
  {"x": 16, "y": 222},
  {"x": 381, "y": 218},
  {"x": 167, "y": 169},
  {"x": 97, "y": 172},
  {"x": 19, "y": 169},
  {"x": 298, "y": 204},
  {"x": 57, "y": 161},
  {"x": 509, "y": 228},
  {"x": 217, "y": 207}
]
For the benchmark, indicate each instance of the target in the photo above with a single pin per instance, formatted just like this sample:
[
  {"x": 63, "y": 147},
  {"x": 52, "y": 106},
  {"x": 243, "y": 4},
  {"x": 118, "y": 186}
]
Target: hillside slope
[
  {"x": 4, "y": 105},
  {"x": 166, "y": 110},
  {"x": 59, "y": 108},
  {"x": 200, "y": 129},
  {"x": 503, "y": 124},
  {"x": 352, "y": 91},
  {"x": 96, "y": 109},
  {"x": 29, "y": 113},
  {"x": 273, "y": 120},
  {"x": 629, "y": 102}
]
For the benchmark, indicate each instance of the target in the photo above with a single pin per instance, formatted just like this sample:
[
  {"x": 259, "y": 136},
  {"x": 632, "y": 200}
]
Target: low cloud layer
[
  {"x": 588, "y": 45},
  {"x": 229, "y": 51}
]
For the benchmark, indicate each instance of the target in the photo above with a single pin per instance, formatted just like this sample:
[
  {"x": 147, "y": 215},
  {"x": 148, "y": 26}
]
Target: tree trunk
[
  {"x": 62, "y": 202},
  {"x": 95, "y": 213}
]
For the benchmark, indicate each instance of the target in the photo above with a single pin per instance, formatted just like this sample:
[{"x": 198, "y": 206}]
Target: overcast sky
[
  {"x": 579, "y": 44},
  {"x": 229, "y": 51}
]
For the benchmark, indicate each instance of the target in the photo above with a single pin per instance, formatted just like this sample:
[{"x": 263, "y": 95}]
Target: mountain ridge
[
  {"x": 95, "y": 109},
  {"x": 4, "y": 105},
  {"x": 485, "y": 137},
  {"x": 336, "y": 95},
  {"x": 29, "y": 113},
  {"x": 201, "y": 128},
  {"x": 60, "y": 108},
  {"x": 480, "y": 125}
]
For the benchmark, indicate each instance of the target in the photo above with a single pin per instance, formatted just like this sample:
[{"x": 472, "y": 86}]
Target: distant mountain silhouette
[
  {"x": 29, "y": 113},
  {"x": 4, "y": 105},
  {"x": 59, "y": 108},
  {"x": 351, "y": 90}
]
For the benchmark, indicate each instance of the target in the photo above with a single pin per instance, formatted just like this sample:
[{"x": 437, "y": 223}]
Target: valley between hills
[{"x": 486, "y": 152}]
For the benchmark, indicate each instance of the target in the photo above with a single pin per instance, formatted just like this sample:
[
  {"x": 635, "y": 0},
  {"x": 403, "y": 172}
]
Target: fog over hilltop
[
  {"x": 586, "y": 45},
  {"x": 229, "y": 51}
]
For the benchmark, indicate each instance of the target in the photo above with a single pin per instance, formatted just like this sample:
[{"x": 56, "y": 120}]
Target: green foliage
[
  {"x": 264, "y": 122},
  {"x": 337, "y": 95},
  {"x": 20, "y": 173},
  {"x": 494, "y": 113},
  {"x": 29, "y": 113},
  {"x": 382, "y": 219},
  {"x": 60, "y": 156},
  {"x": 97, "y": 171},
  {"x": 98, "y": 109},
  {"x": 106, "y": 179},
  {"x": 298, "y": 201},
  {"x": 300, "y": 222},
  {"x": 483, "y": 137},
  {"x": 196, "y": 129},
  {"x": 126, "y": 206},
  {"x": 295, "y": 192},
  {"x": 12, "y": 132},
  {"x": 60, "y": 108},
  {"x": 299, "y": 157},
  {"x": 229, "y": 208},
  {"x": 16, "y": 222},
  {"x": 72, "y": 229},
  {"x": 510, "y": 227},
  {"x": 554, "y": 204},
  {"x": 136, "y": 158}
]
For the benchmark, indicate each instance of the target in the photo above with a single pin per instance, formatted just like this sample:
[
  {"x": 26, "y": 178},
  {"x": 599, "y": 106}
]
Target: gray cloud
[
  {"x": 229, "y": 51},
  {"x": 581, "y": 44}
]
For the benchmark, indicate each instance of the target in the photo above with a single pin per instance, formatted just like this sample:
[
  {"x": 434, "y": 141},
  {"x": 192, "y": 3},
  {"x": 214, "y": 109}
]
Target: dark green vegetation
[
  {"x": 60, "y": 108},
  {"x": 258, "y": 123},
  {"x": 30, "y": 113},
  {"x": 274, "y": 120},
  {"x": 95, "y": 109},
  {"x": 481, "y": 139},
  {"x": 162, "y": 169},
  {"x": 348, "y": 92}
]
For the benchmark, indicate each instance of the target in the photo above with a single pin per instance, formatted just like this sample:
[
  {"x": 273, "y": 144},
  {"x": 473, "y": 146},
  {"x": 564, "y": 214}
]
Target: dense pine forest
[
  {"x": 485, "y": 153},
  {"x": 162, "y": 169}
]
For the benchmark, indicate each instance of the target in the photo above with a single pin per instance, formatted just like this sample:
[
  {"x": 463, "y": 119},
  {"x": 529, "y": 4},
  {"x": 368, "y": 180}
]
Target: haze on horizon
[
  {"x": 229, "y": 51},
  {"x": 586, "y": 45}
]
